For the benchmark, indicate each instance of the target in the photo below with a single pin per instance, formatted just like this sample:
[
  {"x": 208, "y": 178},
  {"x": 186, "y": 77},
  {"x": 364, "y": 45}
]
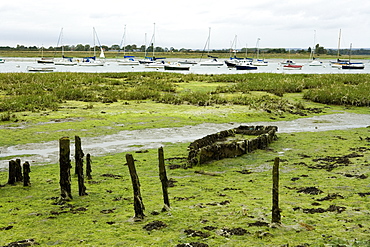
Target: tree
[
  {"x": 320, "y": 50},
  {"x": 80, "y": 47},
  {"x": 115, "y": 47}
]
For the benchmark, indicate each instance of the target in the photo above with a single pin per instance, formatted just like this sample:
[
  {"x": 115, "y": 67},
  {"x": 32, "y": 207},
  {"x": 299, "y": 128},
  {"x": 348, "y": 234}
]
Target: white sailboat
[
  {"x": 44, "y": 60},
  {"x": 259, "y": 62},
  {"x": 213, "y": 61},
  {"x": 233, "y": 60},
  {"x": 66, "y": 61},
  {"x": 338, "y": 64},
  {"x": 93, "y": 61},
  {"x": 313, "y": 61},
  {"x": 127, "y": 60},
  {"x": 156, "y": 63},
  {"x": 40, "y": 68},
  {"x": 346, "y": 64}
]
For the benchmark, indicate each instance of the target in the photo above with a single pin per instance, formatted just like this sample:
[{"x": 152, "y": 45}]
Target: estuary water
[{"x": 111, "y": 65}]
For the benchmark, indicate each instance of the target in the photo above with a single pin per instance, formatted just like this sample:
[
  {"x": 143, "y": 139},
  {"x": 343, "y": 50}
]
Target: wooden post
[
  {"x": 11, "y": 176},
  {"x": 79, "y": 166},
  {"x": 138, "y": 202},
  {"x": 88, "y": 167},
  {"x": 276, "y": 218},
  {"x": 18, "y": 171},
  {"x": 26, "y": 174},
  {"x": 163, "y": 178},
  {"x": 65, "y": 169}
]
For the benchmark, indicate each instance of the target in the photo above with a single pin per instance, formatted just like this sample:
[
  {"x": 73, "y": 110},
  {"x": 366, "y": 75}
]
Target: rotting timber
[{"x": 230, "y": 143}]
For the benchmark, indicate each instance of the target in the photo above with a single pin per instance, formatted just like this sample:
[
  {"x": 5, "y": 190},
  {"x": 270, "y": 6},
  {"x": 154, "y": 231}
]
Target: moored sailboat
[
  {"x": 351, "y": 65},
  {"x": 43, "y": 59},
  {"x": 259, "y": 62},
  {"x": 245, "y": 66},
  {"x": 213, "y": 60},
  {"x": 127, "y": 60},
  {"x": 176, "y": 66},
  {"x": 313, "y": 61},
  {"x": 66, "y": 61},
  {"x": 93, "y": 61}
]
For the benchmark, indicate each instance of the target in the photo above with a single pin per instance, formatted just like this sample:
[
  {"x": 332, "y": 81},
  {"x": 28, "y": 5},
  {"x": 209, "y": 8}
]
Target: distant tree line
[{"x": 318, "y": 50}]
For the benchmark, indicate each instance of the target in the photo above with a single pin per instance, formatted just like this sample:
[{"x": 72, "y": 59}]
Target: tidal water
[
  {"x": 111, "y": 65},
  {"x": 128, "y": 140}
]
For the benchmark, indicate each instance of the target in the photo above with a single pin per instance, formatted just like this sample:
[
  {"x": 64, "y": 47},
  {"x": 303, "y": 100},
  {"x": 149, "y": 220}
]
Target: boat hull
[
  {"x": 353, "y": 66},
  {"x": 292, "y": 67},
  {"x": 40, "y": 68},
  {"x": 187, "y": 62},
  {"x": 128, "y": 63},
  {"x": 45, "y": 60},
  {"x": 176, "y": 67},
  {"x": 245, "y": 67},
  {"x": 211, "y": 64}
]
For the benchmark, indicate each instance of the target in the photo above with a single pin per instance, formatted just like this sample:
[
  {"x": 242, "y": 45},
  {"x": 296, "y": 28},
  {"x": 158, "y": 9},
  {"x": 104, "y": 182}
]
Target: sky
[{"x": 186, "y": 24}]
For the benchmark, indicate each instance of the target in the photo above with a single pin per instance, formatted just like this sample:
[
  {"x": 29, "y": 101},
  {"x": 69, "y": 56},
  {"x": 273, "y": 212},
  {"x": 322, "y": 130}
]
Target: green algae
[{"x": 230, "y": 200}]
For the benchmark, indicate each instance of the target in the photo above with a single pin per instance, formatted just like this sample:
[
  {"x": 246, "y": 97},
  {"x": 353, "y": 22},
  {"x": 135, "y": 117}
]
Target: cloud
[{"x": 185, "y": 24}]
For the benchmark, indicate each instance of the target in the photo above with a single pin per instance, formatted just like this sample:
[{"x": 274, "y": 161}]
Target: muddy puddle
[{"x": 134, "y": 140}]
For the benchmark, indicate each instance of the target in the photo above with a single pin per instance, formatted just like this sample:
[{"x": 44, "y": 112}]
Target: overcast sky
[{"x": 185, "y": 24}]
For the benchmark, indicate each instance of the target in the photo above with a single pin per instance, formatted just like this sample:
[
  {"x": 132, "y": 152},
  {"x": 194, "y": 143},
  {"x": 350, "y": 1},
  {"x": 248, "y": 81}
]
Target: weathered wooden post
[
  {"x": 18, "y": 171},
  {"x": 163, "y": 178},
  {"x": 88, "y": 167},
  {"x": 65, "y": 169},
  {"x": 26, "y": 174},
  {"x": 138, "y": 202},
  {"x": 11, "y": 172},
  {"x": 79, "y": 166},
  {"x": 276, "y": 218}
]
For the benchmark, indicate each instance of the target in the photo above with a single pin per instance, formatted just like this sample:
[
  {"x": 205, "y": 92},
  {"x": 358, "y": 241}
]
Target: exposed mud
[
  {"x": 136, "y": 140},
  {"x": 331, "y": 208},
  {"x": 155, "y": 225}
]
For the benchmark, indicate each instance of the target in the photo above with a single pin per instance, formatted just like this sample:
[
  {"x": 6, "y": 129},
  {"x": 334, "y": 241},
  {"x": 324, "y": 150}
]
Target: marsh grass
[
  {"x": 199, "y": 202},
  {"x": 35, "y": 92}
]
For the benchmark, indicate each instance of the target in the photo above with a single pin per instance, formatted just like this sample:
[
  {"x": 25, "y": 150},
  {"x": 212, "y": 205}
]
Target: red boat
[{"x": 292, "y": 66}]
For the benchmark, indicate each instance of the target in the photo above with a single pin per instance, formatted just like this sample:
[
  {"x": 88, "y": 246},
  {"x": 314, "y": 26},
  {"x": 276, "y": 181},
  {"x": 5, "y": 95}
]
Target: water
[
  {"x": 128, "y": 140},
  {"x": 111, "y": 65}
]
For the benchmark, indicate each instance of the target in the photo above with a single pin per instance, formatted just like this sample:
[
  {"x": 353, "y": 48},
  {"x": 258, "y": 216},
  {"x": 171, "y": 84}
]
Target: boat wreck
[{"x": 230, "y": 143}]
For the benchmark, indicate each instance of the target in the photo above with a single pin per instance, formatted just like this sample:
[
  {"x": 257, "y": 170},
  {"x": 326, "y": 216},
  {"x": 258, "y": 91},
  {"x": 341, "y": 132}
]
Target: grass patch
[{"x": 35, "y": 92}]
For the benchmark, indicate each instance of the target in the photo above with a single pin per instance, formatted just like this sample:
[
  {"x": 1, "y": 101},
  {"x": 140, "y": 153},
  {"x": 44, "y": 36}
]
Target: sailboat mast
[
  {"x": 312, "y": 55},
  {"x": 123, "y": 43},
  {"x": 94, "y": 41},
  {"x": 209, "y": 39},
  {"x": 236, "y": 36},
  {"x": 340, "y": 32},
  {"x": 153, "y": 38},
  {"x": 145, "y": 46},
  {"x": 257, "y": 47},
  {"x": 60, "y": 40}
]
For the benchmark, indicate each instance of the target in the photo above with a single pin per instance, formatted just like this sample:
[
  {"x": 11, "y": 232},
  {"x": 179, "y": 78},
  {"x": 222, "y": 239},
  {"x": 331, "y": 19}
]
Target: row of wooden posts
[
  {"x": 65, "y": 177},
  {"x": 138, "y": 201},
  {"x": 15, "y": 175}
]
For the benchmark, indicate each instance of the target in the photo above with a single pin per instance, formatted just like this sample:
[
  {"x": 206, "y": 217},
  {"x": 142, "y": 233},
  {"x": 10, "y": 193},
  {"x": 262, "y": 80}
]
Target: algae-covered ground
[
  {"x": 324, "y": 198},
  {"x": 324, "y": 184}
]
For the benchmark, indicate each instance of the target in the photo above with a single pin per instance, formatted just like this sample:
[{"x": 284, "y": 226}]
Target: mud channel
[{"x": 134, "y": 140}]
